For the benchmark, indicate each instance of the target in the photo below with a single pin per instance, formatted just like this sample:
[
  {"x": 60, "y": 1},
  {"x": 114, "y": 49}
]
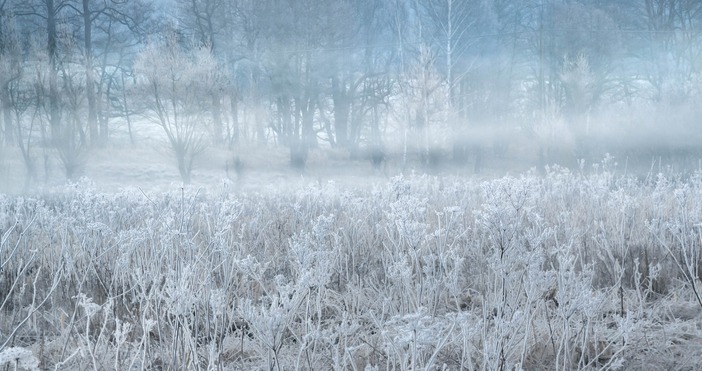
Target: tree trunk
[
  {"x": 54, "y": 112},
  {"x": 7, "y": 118},
  {"x": 308, "y": 135},
  {"x": 125, "y": 103},
  {"x": 285, "y": 126},
  {"x": 89, "y": 76},
  {"x": 234, "y": 107},
  {"x": 103, "y": 117},
  {"x": 217, "y": 131},
  {"x": 184, "y": 166},
  {"x": 341, "y": 113}
]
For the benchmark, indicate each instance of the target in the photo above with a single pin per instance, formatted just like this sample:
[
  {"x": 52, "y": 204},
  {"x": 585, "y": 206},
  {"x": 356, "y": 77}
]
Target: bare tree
[
  {"x": 10, "y": 66},
  {"x": 21, "y": 94},
  {"x": 176, "y": 84},
  {"x": 299, "y": 69},
  {"x": 206, "y": 20},
  {"x": 59, "y": 91},
  {"x": 48, "y": 12},
  {"x": 361, "y": 79},
  {"x": 453, "y": 25},
  {"x": 671, "y": 58},
  {"x": 104, "y": 18}
]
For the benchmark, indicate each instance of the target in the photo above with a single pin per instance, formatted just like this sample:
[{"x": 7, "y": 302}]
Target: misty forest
[{"x": 350, "y": 185}]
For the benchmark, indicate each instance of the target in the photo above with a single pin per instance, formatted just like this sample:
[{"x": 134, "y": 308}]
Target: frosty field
[{"x": 560, "y": 271}]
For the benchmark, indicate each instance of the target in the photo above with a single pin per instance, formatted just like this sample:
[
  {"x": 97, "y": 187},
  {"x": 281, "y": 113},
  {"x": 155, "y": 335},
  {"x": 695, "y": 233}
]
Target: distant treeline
[{"x": 571, "y": 78}]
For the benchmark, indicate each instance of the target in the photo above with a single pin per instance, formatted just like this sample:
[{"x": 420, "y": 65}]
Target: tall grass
[{"x": 560, "y": 271}]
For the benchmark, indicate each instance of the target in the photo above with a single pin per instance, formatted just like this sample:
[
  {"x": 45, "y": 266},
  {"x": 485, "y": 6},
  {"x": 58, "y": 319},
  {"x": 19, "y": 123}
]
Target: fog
[
  {"x": 164, "y": 93},
  {"x": 350, "y": 184}
]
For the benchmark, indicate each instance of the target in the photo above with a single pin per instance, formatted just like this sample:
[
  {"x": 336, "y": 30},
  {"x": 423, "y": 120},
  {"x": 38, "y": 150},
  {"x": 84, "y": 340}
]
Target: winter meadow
[
  {"x": 561, "y": 271},
  {"x": 350, "y": 185}
]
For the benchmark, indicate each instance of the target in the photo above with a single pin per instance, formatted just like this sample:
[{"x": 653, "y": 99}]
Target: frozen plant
[{"x": 19, "y": 357}]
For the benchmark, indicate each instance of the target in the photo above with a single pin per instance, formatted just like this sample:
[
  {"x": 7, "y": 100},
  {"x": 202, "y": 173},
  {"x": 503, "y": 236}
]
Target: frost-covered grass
[{"x": 561, "y": 271}]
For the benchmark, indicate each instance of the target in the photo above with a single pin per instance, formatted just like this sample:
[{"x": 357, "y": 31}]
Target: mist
[
  {"x": 350, "y": 184},
  {"x": 207, "y": 91}
]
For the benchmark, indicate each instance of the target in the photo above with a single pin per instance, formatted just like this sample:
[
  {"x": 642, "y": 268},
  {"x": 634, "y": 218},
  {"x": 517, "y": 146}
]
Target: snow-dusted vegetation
[
  {"x": 561, "y": 271},
  {"x": 198, "y": 244}
]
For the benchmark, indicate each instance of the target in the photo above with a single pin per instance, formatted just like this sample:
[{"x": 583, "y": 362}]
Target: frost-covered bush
[
  {"x": 561, "y": 271},
  {"x": 19, "y": 358}
]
